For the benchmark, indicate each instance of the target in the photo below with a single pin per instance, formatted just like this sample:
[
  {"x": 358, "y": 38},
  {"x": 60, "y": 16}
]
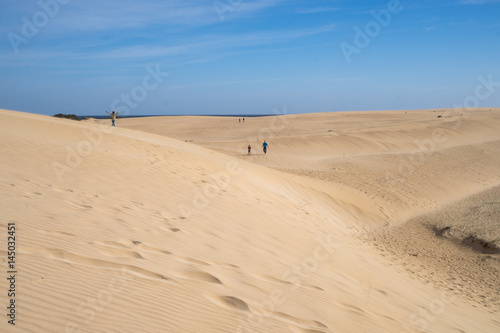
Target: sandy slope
[
  {"x": 455, "y": 244},
  {"x": 406, "y": 163},
  {"x": 121, "y": 230}
]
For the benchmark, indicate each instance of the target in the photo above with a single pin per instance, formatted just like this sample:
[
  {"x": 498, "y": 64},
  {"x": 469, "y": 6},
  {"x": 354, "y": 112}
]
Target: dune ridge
[{"x": 166, "y": 225}]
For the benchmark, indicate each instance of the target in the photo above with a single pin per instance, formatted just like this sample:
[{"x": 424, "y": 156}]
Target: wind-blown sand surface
[{"x": 165, "y": 224}]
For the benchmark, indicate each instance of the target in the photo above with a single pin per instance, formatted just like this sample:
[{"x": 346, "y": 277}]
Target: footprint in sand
[
  {"x": 193, "y": 261},
  {"x": 228, "y": 302},
  {"x": 200, "y": 276},
  {"x": 223, "y": 265},
  {"x": 118, "y": 249},
  {"x": 121, "y": 254},
  {"x": 279, "y": 281},
  {"x": 353, "y": 308},
  {"x": 303, "y": 324},
  {"x": 75, "y": 259},
  {"x": 79, "y": 205},
  {"x": 169, "y": 229},
  {"x": 32, "y": 195},
  {"x": 60, "y": 190},
  {"x": 110, "y": 244}
]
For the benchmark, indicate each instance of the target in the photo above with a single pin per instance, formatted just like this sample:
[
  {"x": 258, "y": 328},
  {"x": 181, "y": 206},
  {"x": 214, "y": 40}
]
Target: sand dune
[
  {"x": 165, "y": 224},
  {"x": 406, "y": 162}
]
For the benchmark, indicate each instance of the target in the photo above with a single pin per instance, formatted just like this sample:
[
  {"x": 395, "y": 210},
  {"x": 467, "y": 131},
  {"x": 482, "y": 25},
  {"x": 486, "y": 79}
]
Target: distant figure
[
  {"x": 239, "y": 120},
  {"x": 264, "y": 147},
  {"x": 113, "y": 117},
  {"x": 243, "y": 119},
  {"x": 249, "y": 149}
]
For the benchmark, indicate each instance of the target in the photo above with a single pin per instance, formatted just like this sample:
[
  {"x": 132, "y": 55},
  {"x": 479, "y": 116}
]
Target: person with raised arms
[{"x": 113, "y": 117}]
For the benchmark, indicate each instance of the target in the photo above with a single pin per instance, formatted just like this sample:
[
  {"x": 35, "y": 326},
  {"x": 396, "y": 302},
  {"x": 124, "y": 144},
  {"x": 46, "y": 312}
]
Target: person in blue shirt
[{"x": 264, "y": 146}]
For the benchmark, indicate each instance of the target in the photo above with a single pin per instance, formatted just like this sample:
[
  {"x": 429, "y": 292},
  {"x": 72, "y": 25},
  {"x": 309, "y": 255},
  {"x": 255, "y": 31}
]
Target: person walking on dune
[
  {"x": 249, "y": 149},
  {"x": 113, "y": 117},
  {"x": 264, "y": 147}
]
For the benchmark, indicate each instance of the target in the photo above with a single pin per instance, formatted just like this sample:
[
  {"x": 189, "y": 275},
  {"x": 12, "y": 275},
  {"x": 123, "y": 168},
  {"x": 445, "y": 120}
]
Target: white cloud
[
  {"x": 191, "y": 49},
  {"x": 94, "y": 15},
  {"x": 215, "y": 43},
  {"x": 252, "y": 6}
]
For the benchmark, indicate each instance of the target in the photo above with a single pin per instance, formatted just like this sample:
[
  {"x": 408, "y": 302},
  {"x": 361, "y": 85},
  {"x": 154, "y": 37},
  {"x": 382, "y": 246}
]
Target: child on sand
[
  {"x": 249, "y": 149},
  {"x": 113, "y": 117}
]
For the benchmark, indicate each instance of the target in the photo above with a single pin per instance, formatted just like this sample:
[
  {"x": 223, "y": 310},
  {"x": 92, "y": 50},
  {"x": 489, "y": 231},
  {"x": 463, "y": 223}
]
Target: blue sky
[{"x": 247, "y": 56}]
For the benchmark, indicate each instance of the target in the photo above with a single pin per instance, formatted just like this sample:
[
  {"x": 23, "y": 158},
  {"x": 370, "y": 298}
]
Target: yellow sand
[{"x": 165, "y": 224}]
